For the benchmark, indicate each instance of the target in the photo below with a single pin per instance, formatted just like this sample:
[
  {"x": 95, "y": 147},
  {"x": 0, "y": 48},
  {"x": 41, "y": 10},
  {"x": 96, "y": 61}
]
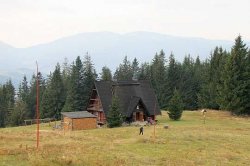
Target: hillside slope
[{"x": 223, "y": 140}]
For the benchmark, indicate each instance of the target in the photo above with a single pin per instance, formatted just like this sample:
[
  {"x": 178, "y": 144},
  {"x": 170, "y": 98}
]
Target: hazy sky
[{"x": 28, "y": 22}]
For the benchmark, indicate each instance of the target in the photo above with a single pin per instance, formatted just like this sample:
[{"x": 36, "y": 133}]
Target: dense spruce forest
[{"x": 221, "y": 82}]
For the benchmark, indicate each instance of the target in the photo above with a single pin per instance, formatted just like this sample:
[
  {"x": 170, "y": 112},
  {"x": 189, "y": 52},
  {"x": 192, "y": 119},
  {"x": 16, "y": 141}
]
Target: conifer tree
[
  {"x": 236, "y": 82},
  {"x": 124, "y": 71},
  {"x": 74, "y": 100},
  {"x": 135, "y": 69},
  {"x": 106, "y": 74},
  {"x": 22, "y": 101},
  {"x": 66, "y": 71},
  {"x": 204, "y": 94},
  {"x": 54, "y": 96},
  {"x": 114, "y": 117},
  {"x": 3, "y": 106},
  {"x": 175, "y": 107},
  {"x": 173, "y": 78},
  {"x": 89, "y": 76},
  {"x": 158, "y": 77},
  {"x": 144, "y": 72},
  {"x": 23, "y": 90},
  {"x": 188, "y": 85},
  {"x": 197, "y": 79},
  {"x": 7, "y": 95},
  {"x": 65, "y": 68},
  {"x": 19, "y": 113},
  {"x": 10, "y": 99},
  {"x": 247, "y": 76},
  {"x": 212, "y": 80},
  {"x": 31, "y": 98}
]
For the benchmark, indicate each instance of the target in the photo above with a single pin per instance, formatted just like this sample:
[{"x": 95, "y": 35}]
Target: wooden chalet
[{"x": 136, "y": 98}]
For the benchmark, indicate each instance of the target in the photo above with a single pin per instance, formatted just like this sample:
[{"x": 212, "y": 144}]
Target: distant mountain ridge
[{"x": 105, "y": 48}]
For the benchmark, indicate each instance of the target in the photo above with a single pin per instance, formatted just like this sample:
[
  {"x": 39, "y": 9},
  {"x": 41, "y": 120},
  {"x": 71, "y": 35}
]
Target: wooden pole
[
  {"x": 98, "y": 112},
  {"x": 154, "y": 119},
  {"x": 37, "y": 106},
  {"x": 204, "y": 115},
  {"x": 204, "y": 118}
]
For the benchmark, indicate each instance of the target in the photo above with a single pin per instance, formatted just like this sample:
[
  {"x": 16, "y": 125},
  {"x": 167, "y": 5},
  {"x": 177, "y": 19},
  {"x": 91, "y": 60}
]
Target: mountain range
[{"x": 105, "y": 48}]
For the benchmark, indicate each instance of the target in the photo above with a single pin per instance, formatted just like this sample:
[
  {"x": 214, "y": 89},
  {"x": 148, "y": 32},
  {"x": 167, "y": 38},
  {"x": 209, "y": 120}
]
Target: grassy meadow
[{"x": 223, "y": 140}]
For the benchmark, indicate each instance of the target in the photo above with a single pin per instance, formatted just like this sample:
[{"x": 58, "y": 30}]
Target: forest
[{"x": 221, "y": 82}]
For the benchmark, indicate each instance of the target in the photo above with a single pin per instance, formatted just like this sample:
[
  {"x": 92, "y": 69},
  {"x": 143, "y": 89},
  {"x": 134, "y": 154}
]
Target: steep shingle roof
[
  {"x": 133, "y": 103},
  {"x": 78, "y": 114},
  {"x": 104, "y": 90},
  {"x": 129, "y": 94}
]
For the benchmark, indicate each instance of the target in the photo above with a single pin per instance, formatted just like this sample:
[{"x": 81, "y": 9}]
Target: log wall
[
  {"x": 67, "y": 123},
  {"x": 84, "y": 123}
]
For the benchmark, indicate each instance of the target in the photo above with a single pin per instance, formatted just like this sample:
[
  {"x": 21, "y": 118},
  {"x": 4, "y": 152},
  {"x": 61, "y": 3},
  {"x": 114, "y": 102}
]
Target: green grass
[{"x": 223, "y": 140}]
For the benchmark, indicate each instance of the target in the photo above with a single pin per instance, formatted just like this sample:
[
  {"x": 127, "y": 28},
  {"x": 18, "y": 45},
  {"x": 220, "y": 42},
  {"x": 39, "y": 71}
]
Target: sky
[{"x": 25, "y": 23}]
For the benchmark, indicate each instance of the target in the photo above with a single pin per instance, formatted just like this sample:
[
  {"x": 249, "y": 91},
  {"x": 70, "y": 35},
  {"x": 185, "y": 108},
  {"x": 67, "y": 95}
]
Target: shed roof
[
  {"x": 78, "y": 114},
  {"x": 129, "y": 94}
]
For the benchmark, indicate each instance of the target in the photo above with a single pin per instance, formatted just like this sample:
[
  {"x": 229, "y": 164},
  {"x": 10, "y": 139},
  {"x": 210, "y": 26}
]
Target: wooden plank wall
[
  {"x": 84, "y": 123},
  {"x": 67, "y": 123}
]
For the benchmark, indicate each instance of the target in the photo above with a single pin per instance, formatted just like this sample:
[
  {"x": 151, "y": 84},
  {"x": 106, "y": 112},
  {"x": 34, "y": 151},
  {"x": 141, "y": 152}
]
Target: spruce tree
[
  {"x": 188, "y": 85},
  {"x": 247, "y": 76},
  {"x": 54, "y": 96},
  {"x": 3, "y": 106},
  {"x": 23, "y": 90},
  {"x": 66, "y": 71},
  {"x": 22, "y": 97},
  {"x": 135, "y": 69},
  {"x": 210, "y": 95},
  {"x": 19, "y": 113},
  {"x": 197, "y": 79},
  {"x": 124, "y": 71},
  {"x": 204, "y": 94},
  {"x": 175, "y": 107},
  {"x": 236, "y": 82},
  {"x": 144, "y": 72},
  {"x": 158, "y": 77},
  {"x": 217, "y": 65},
  {"x": 114, "y": 117},
  {"x": 10, "y": 99},
  {"x": 31, "y": 98},
  {"x": 75, "y": 99},
  {"x": 106, "y": 74},
  {"x": 7, "y": 95},
  {"x": 89, "y": 76},
  {"x": 173, "y": 78}
]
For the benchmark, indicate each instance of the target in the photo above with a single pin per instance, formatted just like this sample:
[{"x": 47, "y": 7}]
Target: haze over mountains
[{"x": 105, "y": 48}]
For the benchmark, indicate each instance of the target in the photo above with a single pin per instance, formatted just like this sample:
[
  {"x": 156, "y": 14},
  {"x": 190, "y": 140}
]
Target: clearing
[{"x": 223, "y": 140}]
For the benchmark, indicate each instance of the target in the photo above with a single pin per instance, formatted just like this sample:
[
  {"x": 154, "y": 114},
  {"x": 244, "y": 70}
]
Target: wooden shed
[{"x": 80, "y": 120}]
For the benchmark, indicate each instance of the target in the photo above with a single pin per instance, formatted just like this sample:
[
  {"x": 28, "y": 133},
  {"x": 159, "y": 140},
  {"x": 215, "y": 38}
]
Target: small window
[{"x": 137, "y": 107}]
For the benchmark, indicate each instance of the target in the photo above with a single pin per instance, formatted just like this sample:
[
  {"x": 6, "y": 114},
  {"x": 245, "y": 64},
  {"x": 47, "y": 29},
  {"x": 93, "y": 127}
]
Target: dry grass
[{"x": 223, "y": 140}]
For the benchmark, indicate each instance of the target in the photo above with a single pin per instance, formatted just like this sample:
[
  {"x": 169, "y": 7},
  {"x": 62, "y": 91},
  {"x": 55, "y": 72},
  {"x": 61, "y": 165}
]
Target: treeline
[
  {"x": 220, "y": 82},
  {"x": 67, "y": 88}
]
